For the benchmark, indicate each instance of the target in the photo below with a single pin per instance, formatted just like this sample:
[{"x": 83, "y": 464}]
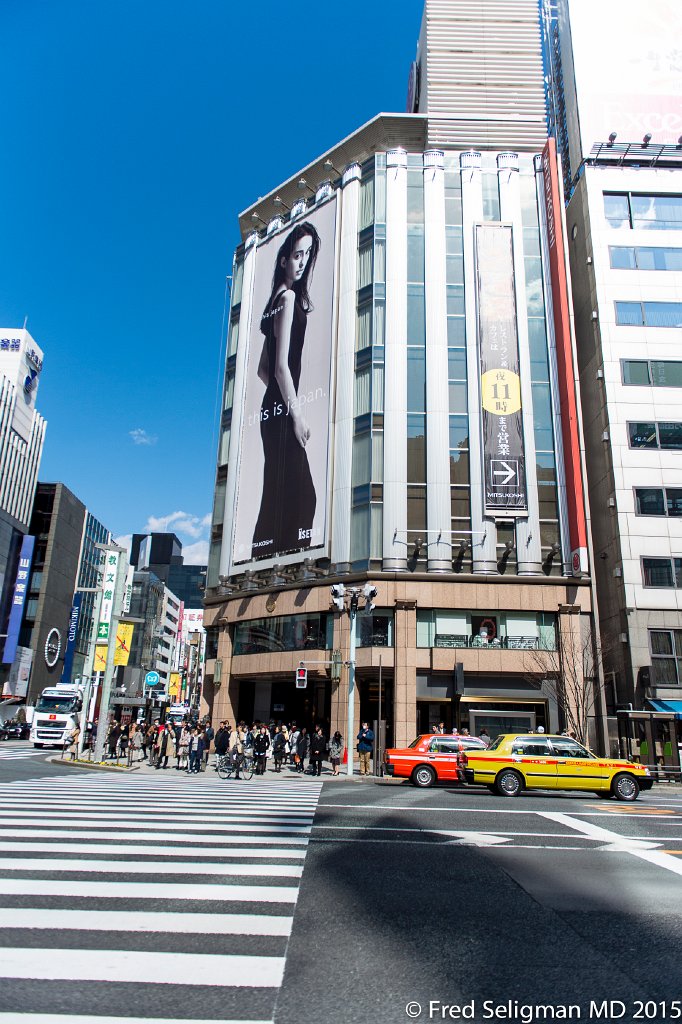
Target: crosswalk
[
  {"x": 18, "y": 753},
  {"x": 125, "y": 899}
]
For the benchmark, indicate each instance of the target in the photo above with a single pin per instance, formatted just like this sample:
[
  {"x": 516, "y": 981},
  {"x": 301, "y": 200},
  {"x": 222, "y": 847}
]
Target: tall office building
[
  {"x": 22, "y": 432},
  {"x": 618, "y": 111},
  {"x": 399, "y": 412}
]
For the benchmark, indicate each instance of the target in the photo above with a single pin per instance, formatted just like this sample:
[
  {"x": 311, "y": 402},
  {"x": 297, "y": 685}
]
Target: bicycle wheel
[
  {"x": 247, "y": 768},
  {"x": 225, "y": 769}
]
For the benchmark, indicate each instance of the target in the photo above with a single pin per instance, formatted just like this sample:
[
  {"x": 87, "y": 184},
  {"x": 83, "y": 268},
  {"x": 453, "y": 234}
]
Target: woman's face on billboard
[{"x": 295, "y": 264}]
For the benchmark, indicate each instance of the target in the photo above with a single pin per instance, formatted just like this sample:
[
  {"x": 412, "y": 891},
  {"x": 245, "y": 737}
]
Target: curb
[{"x": 91, "y": 765}]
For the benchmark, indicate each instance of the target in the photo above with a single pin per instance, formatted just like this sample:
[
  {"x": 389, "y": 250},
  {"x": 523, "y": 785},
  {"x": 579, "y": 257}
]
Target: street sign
[{"x": 152, "y": 679}]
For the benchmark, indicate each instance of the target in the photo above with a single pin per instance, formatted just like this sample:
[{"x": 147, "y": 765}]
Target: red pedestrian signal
[{"x": 301, "y": 677}]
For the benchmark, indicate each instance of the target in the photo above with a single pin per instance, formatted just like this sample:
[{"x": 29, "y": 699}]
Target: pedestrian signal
[{"x": 301, "y": 677}]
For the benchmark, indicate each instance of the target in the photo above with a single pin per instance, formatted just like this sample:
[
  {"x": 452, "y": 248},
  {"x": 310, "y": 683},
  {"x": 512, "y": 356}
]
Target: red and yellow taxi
[
  {"x": 518, "y": 761},
  {"x": 431, "y": 758}
]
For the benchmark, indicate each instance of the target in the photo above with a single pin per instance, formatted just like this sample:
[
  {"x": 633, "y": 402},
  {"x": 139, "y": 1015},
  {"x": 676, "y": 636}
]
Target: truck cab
[{"x": 55, "y": 715}]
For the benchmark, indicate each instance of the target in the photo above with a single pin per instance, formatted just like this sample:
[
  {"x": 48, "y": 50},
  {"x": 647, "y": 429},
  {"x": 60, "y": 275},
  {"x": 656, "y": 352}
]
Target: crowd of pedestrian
[{"x": 189, "y": 747}]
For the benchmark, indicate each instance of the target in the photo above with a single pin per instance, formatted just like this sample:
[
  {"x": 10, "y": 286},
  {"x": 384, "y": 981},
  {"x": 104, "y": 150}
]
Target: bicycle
[{"x": 228, "y": 765}]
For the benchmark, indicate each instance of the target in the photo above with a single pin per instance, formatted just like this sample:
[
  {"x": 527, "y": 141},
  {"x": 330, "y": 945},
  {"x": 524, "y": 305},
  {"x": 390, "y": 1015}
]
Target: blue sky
[{"x": 134, "y": 131}]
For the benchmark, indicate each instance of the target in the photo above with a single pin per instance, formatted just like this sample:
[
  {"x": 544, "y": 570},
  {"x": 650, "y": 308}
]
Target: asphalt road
[{"x": 444, "y": 904}]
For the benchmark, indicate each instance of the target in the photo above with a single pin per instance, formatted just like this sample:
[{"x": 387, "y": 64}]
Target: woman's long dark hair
[{"x": 300, "y": 287}]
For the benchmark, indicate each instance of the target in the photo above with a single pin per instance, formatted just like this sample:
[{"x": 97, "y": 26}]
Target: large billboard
[
  {"x": 627, "y": 66},
  {"x": 281, "y": 494},
  {"x": 504, "y": 461}
]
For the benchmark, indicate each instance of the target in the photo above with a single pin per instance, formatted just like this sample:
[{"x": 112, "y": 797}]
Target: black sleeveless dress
[{"x": 287, "y": 508}]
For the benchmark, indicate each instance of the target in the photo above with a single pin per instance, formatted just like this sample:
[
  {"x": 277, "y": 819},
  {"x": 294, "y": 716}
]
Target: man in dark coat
[
  {"x": 318, "y": 748},
  {"x": 261, "y": 745}
]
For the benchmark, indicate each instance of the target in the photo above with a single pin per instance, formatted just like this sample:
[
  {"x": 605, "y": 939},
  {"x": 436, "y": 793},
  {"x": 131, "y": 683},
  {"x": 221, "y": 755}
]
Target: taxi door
[
  {"x": 576, "y": 767},
  {"x": 536, "y": 761},
  {"x": 442, "y": 756}
]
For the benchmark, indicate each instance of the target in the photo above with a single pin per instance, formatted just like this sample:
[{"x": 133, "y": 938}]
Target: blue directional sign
[{"x": 152, "y": 679}]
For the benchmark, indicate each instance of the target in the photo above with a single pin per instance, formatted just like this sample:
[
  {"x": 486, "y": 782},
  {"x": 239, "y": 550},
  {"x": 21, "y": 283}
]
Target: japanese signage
[
  {"x": 71, "y": 638},
  {"x": 503, "y": 449},
  {"x": 124, "y": 636},
  {"x": 110, "y": 568},
  {"x": 100, "y": 662},
  {"x": 18, "y": 600}
]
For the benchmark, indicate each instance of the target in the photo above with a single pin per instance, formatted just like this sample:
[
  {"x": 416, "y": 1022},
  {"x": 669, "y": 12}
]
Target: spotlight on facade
[
  {"x": 248, "y": 582},
  {"x": 612, "y": 138},
  {"x": 338, "y": 592},
  {"x": 302, "y": 184},
  {"x": 418, "y": 545},
  {"x": 552, "y": 553},
  {"x": 646, "y": 140},
  {"x": 329, "y": 166},
  {"x": 279, "y": 202}
]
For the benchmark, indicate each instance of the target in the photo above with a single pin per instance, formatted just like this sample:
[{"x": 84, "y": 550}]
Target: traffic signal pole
[{"x": 350, "y": 746}]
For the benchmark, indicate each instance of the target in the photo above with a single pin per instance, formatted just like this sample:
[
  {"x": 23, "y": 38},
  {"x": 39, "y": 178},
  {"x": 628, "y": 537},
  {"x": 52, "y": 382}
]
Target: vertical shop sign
[{"x": 504, "y": 470}]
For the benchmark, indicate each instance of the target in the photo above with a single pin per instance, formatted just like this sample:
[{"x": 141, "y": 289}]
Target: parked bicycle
[{"x": 229, "y": 765}]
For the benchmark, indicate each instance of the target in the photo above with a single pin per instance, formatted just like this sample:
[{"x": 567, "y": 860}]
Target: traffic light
[
  {"x": 301, "y": 677},
  {"x": 338, "y": 594},
  {"x": 369, "y": 592}
]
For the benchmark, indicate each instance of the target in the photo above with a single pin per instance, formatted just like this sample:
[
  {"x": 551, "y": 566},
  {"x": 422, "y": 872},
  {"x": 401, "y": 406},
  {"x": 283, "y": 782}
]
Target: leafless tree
[{"x": 572, "y": 673}]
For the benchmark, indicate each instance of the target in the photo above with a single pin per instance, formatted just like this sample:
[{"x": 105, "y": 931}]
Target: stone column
[{"x": 405, "y": 673}]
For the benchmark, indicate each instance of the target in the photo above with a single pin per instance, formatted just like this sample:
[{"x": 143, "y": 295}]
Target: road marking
[
  {"x": 123, "y": 824},
  {"x": 55, "y": 1018},
  {"x": 646, "y": 851},
  {"x": 142, "y": 967},
  {"x": 293, "y": 853},
  {"x": 144, "y": 921},
  {"x": 152, "y": 891},
  {"x": 297, "y": 842},
  {"x": 131, "y": 868}
]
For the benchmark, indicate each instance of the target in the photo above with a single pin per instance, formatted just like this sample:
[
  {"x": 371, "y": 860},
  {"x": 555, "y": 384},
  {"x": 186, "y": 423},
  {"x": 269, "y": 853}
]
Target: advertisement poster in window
[{"x": 281, "y": 503}]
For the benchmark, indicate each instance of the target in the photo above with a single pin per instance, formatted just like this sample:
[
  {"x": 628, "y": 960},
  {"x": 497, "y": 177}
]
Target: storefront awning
[{"x": 670, "y": 707}]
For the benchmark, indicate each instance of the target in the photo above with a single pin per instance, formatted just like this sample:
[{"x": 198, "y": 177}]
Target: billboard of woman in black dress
[{"x": 281, "y": 504}]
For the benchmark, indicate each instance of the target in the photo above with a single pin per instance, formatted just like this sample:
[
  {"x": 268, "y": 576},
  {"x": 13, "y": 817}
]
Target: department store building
[{"x": 436, "y": 383}]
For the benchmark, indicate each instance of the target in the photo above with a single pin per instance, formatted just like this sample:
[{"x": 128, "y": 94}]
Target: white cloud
[
  {"x": 125, "y": 541},
  {"x": 140, "y": 436},
  {"x": 179, "y": 522},
  {"x": 196, "y": 554}
]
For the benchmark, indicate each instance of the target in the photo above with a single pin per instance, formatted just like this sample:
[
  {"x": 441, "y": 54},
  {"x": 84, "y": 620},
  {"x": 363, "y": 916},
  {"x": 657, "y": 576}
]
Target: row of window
[
  {"x": 665, "y": 573},
  {"x": 648, "y": 314},
  {"x": 656, "y": 373},
  {"x": 643, "y": 211},
  {"x": 664, "y": 436},
  {"x": 645, "y": 257},
  {"x": 658, "y": 501}
]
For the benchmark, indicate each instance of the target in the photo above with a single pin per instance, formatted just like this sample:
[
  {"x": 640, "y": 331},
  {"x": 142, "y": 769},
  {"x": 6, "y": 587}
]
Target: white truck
[{"x": 55, "y": 715}]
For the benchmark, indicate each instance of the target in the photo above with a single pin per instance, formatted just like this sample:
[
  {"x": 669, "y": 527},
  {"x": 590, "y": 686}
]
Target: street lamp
[{"x": 348, "y": 599}]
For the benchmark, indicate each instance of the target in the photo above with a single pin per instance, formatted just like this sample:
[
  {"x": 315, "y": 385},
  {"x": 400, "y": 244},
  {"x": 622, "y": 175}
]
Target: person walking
[
  {"x": 209, "y": 736},
  {"x": 365, "y": 747},
  {"x": 293, "y": 742},
  {"x": 261, "y": 745},
  {"x": 165, "y": 746},
  {"x": 113, "y": 737},
  {"x": 279, "y": 745},
  {"x": 183, "y": 747},
  {"x": 137, "y": 743},
  {"x": 318, "y": 748},
  {"x": 236, "y": 748},
  {"x": 222, "y": 742},
  {"x": 302, "y": 748},
  {"x": 336, "y": 752}
]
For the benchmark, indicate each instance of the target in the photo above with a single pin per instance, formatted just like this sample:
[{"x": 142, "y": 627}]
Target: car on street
[
  {"x": 518, "y": 761},
  {"x": 432, "y": 757},
  {"x": 16, "y": 730}
]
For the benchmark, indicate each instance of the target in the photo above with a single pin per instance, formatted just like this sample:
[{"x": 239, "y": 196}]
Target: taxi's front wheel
[
  {"x": 509, "y": 783},
  {"x": 625, "y": 787}
]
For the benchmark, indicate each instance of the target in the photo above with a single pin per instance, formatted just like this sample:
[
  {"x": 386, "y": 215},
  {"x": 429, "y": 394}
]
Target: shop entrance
[
  {"x": 309, "y": 707},
  {"x": 369, "y": 702}
]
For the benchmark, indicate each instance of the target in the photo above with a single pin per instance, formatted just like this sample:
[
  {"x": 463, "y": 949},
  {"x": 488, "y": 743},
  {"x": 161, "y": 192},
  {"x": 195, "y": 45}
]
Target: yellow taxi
[{"x": 518, "y": 761}]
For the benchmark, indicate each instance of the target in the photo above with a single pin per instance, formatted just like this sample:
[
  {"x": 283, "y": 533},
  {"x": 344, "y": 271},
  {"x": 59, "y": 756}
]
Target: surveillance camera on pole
[
  {"x": 338, "y": 595},
  {"x": 369, "y": 592}
]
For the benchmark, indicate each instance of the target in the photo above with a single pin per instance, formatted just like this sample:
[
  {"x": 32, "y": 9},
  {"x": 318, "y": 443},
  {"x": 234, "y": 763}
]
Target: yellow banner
[
  {"x": 174, "y": 685},
  {"x": 100, "y": 662},
  {"x": 124, "y": 636}
]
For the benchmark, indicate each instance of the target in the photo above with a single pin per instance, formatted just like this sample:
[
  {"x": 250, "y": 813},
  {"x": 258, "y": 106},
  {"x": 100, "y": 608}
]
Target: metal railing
[{"x": 509, "y": 643}]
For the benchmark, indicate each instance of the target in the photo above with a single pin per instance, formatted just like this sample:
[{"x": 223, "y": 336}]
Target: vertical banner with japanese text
[
  {"x": 504, "y": 471},
  {"x": 18, "y": 600},
  {"x": 108, "y": 588}
]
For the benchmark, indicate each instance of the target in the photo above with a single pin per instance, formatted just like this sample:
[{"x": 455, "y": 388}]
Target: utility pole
[{"x": 353, "y": 594}]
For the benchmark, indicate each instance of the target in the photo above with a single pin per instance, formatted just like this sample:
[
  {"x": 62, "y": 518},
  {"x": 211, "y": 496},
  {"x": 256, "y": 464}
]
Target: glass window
[
  {"x": 458, "y": 397},
  {"x": 455, "y": 299},
  {"x": 537, "y": 342},
  {"x": 666, "y": 373},
  {"x": 616, "y": 210},
  {"x": 457, "y": 364},
  {"x": 673, "y": 498},
  {"x": 565, "y": 747},
  {"x": 416, "y": 315},
  {"x": 281, "y": 633},
  {"x": 629, "y": 314},
  {"x": 459, "y": 432},
  {"x": 531, "y": 746},
  {"x": 542, "y": 418},
  {"x": 622, "y": 257},
  {"x": 378, "y": 387},
  {"x": 657, "y": 572},
  {"x": 416, "y": 449},
  {"x": 416, "y": 509},
  {"x": 662, "y": 314},
  {"x": 363, "y": 336},
  {"x": 425, "y": 628},
  {"x": 670, "y": 435},
  {"x": 375, "y": 630},
  {"x": 642, "y": 435},
  {"x": 416, "y": 380},
  {"x": 415, "y": 197},
  {"x": 456, "y": 331},
  {"x": 234, "y": 338},
  {"x": 491, "y": 197},
  {"x": 365, "y": 266},
  {"x": 649, "y": 501},
  {"x": 459, "y": 467},
  {"x": 635, "y": 371},
  {"x": 379, "y": 323},
  {"x": 376, "y": 522},
  {"x": 366, "y": 215},
  {"x": 362, "y": 450},
  {"x": 459, "y": 502},
  {"x": 415, "y": 252},
  {"x": 660, "y": 212},
  {"x": 359, "y": 533},
  {"x": 362, "y": 392}
]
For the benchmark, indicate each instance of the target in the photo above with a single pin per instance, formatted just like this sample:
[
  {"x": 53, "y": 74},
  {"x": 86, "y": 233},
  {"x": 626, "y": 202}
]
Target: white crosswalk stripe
[
  {"x": 15, "y": 755},
  {"x": 172, "y": 889}
]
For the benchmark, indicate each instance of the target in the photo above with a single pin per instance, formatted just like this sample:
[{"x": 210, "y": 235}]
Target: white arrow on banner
[{"x": 511, "y": 473}]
